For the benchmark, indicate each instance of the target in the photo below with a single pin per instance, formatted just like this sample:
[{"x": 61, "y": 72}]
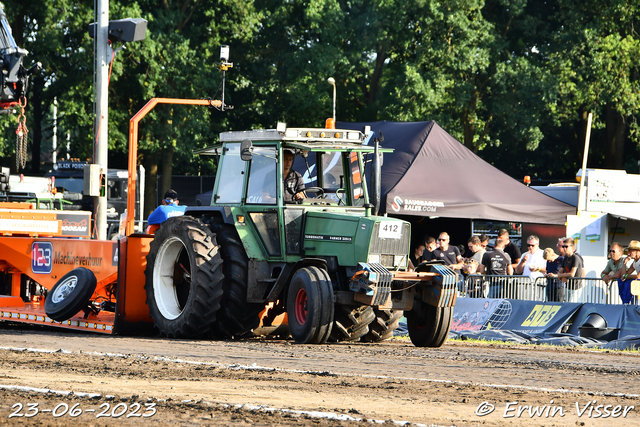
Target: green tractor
[{"x": 338, "y": 270}]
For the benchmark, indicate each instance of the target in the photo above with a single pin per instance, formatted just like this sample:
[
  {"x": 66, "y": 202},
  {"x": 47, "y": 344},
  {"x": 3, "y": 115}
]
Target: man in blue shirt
[{"x": 168, "y": 209}]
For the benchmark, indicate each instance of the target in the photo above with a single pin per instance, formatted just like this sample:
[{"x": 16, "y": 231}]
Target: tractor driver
[
  {"x": 293, "y": 185},
  {"x": 168, "y": 209}
]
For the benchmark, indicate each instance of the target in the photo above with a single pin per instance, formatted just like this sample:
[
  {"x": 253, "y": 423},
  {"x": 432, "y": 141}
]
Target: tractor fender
[
  {"x": 222, "y": 212},
  {"x": 288, "y": 272}
]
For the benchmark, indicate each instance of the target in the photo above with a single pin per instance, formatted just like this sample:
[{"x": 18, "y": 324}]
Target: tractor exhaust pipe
[{"x": 376, "y": 172}]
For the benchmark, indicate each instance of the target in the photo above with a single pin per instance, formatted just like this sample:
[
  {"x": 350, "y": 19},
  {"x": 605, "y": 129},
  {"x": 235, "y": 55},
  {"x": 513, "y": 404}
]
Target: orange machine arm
[{"x": 133, "y": 148}]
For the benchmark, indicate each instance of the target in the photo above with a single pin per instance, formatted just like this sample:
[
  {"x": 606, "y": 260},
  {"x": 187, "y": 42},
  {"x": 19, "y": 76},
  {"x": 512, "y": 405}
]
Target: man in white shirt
[{"x": 532, "y": 262}]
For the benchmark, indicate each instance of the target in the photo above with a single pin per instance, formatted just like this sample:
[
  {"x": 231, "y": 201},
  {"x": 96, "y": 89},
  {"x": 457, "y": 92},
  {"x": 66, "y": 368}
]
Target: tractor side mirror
[{"x": 246, "y": 150}]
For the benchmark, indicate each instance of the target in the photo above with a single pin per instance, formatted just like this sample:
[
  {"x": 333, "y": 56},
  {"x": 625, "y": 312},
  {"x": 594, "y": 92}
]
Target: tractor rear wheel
[
  {"x": 386, "y": 321},
  {"x": 310, "y": 306},
  {"x": 351, "y": 323},
  {"x": 428, "y": 325},
  {"x": 183, "y": 278},
  {"x": 70, "y": 294},
  {"x": 236, "y": 317}
]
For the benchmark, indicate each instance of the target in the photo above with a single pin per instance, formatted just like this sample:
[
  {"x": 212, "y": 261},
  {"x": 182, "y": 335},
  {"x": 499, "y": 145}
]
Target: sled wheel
[
  {"x": 183, "y": 278},
  {"x": 380, "y": 329},
  {"x": 428, "y": 325},
  {"x": 236, "y": 317},
  {"x": 70, "y": 294},
  {"x": 351, "y": 322},
  {"x": 310, "y": 306}
]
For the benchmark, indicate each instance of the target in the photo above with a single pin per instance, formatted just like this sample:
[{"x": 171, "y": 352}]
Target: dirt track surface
[{"x": 185, "y": 382}]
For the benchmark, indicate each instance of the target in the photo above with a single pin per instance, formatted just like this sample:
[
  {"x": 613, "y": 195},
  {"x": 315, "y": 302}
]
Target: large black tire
[
  {"x": 382, "y": 327},
  {"x": 236, "y": 318},
  {"x": 428, "y": 325},
  {"x": 183, "y": 278},
  {"x": 70, "y": 294},
  {"x": 310, "y": 306},
  {"x": 351, "y": 322}
]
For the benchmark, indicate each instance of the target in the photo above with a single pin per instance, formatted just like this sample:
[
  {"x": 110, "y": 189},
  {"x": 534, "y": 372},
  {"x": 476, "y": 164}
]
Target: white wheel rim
[
  {"x": 164, "y": 290},
  {"x": 64, "y": 289}
]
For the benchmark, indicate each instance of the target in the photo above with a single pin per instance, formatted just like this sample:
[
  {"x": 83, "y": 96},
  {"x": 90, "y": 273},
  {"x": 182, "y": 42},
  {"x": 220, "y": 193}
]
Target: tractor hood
[{"x": 352, "y": 238}]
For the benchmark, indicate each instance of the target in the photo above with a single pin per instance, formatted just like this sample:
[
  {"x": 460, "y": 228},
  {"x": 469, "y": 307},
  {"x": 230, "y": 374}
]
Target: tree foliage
[{"x": 513, "y": 80}]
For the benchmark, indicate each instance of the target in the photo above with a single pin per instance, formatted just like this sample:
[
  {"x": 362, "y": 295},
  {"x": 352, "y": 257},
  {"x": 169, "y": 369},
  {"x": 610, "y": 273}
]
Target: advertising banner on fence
[
  {"x": 531, "y": 317},
  {"x": 537, "y": 317},
  {"x": 472, "y": 314}
]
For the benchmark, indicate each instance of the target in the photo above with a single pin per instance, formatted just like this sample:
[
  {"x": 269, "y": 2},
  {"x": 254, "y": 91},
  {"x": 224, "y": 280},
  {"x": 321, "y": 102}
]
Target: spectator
[
  {"x": 615, "y": 263},
  {"x": 448, "y": 253},
  {"x": 562, "y": 253},
  {"x": 476, "y": 249},
  {"x": 484, "y": 242},
  {"x": 430, "y": 246},
  {"x": 510, "y": 248},
  {"x": 532, "y": 263},
  {"x": 571, "y": 267},
  {"x": 168, "y": 209},
  {"x": 496, "y": 263},
  {"x": 555, "y": 287},
  {"x": 416, "y": 257},
  {"x": 630, "y": 273}
]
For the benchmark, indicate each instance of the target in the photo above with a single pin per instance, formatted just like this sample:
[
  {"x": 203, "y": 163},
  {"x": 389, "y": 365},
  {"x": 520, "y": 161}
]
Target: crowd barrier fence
[{"x": 578, "y": 289}]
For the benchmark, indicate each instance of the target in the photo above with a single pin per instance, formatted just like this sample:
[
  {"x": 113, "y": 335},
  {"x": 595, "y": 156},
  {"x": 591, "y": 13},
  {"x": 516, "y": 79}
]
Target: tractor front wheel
[
  {"x": 428, "y": 325},
  {"x": 310, "y": 306}
]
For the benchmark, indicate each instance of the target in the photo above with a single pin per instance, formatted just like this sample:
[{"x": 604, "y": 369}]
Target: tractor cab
[{"x": 327, "y": 212}]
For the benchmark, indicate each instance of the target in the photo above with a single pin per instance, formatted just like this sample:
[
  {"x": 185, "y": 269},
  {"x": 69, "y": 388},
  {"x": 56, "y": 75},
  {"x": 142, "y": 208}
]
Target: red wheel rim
[{"x": 301, "y": 306}]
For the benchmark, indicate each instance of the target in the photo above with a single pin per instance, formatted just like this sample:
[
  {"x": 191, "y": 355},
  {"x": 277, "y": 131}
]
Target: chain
[{"x": 21, "y": 137}]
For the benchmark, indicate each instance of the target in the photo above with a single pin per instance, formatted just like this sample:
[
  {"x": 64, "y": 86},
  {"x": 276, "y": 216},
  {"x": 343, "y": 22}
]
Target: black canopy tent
[{"x": 431, "y": 174}]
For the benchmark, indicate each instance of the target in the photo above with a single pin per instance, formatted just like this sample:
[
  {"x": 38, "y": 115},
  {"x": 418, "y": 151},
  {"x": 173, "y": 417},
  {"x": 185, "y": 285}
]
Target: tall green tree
[{"x": 594, "y": 58}]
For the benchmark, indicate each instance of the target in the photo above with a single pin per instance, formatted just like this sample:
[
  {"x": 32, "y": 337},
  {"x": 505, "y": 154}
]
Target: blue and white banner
[{"x": 531, "y": 317}]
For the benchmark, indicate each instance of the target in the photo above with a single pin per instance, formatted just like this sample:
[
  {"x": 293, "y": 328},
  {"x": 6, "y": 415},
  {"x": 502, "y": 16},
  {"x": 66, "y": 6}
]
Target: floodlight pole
[{"x": 101, "y": 123}]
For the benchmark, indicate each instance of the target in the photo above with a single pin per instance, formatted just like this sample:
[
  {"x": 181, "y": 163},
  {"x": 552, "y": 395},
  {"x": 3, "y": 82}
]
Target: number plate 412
[{"x": 390, "y": 230}]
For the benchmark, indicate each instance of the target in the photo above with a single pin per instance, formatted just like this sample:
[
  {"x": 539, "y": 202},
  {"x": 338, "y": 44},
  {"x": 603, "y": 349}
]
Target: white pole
[
  {"x": 54, "y": 138},
  {"x": 581, "y": 196},
  {"x": 102, "y": 112}
]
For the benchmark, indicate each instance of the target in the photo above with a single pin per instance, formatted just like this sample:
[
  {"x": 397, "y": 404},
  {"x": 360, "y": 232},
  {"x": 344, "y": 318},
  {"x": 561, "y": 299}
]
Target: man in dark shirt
[
  {"x": 571, "y": 267},
  {"x": 562, "y": 252},
  {"x": 484, "y": 242},
  {"x": 496, "y": 263},
  {"x": 448, "y": 253},
  {"x": 293, "y": 184},
  {"x": 430, "y": 246},
  {"x": 416, "y": 257},
  {"x": 510, "y": 248}
]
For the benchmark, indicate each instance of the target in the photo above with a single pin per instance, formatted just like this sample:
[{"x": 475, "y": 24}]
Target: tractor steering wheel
[{"x": 318, "y": 190}]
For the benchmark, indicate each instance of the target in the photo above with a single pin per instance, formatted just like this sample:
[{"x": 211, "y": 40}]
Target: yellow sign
[{"x": 541, "y": 315}]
